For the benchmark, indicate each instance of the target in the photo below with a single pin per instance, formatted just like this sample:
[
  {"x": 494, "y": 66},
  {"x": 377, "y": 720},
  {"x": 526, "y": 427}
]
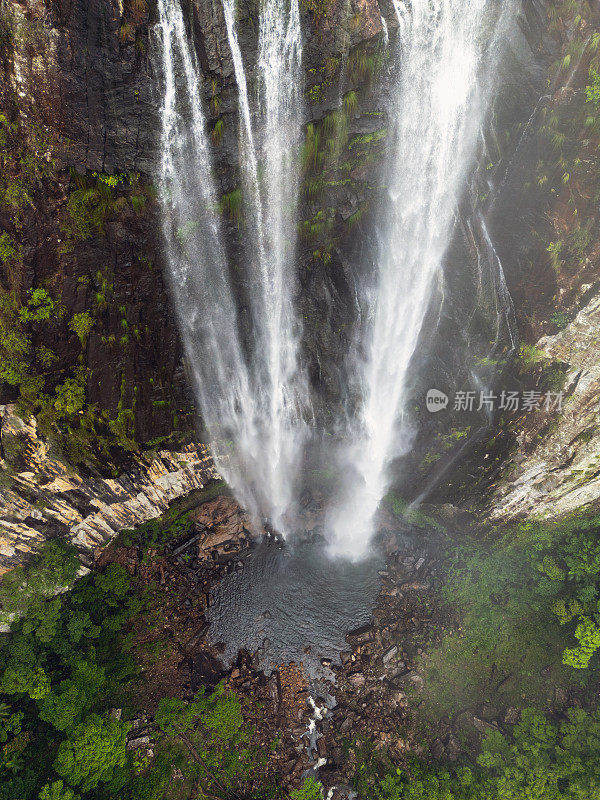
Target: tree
[
  {"x": 541, "y": 761},
  {"x": 588, "y": 635},
  {"x": 22, "y": 590},
  {"x": 57, "y": 791},
  {"x": 23, "y": 679},
  {"x": 94, "y": 749},
  {"x": 212, "y": 729},
  {"x": 73, "y": 697}
]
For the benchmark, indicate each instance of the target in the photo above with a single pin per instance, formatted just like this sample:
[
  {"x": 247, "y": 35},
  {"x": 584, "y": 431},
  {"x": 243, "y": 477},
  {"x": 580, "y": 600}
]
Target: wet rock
[
  {"x": 275, "y": 690},
  {"x": 415, "y": 586},
  {"x": 361, "y": 635},
  {"x": 206, "y": 670},
  {"x": 346, "y": 725},
  {"x": 195, "y": 640},
  {"x": 188, "y": 543},
  {"x": 322, "y": 747}
]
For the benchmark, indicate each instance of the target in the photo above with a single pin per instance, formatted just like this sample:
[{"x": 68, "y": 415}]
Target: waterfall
[
  {"x": 445, "y": 56},
  {"x": 251, "y": 396},
  {"x": 269, "y": 140}
]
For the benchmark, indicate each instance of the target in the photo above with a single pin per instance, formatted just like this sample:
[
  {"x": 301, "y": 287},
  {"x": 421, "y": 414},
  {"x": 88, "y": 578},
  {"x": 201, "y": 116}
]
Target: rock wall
[
  {"x": 557, "y": 465},
  {"x": 78, "y": 122},
  {"x": 79, "y": 221},
  {"x": 548, "y": 460},
  {"x": 79, "y": 84},
  {"x": 41, "y": 497}
]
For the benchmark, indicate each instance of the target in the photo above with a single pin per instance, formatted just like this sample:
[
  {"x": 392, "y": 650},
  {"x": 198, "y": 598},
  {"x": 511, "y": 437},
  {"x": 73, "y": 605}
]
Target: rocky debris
[
  {"x": 513, "y": 715},
  {"x": 360, "y": 636},
  {"x": 357, "y": 680},
  {"x": 140, "y": 736},
  {"x": 557, "y": 466},
  {"x": 379, "y": 673},
  {"x": 133, "y": 744},
  {"x": 279, "y": 707},
  {"x": 45, "y": 497}
]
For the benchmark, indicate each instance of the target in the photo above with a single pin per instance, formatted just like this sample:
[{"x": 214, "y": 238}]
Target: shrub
[
  {"x": 70, "y": 396},
  {"x": 81, "y": 324},
  {"x": 311, "y": 789},
  {"x": 40, "y": 306}
]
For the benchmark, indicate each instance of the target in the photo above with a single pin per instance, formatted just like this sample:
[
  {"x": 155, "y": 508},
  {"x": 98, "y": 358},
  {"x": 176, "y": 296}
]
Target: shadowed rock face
[
  {"x": 89, "y": 79},
  {"x": 83, "y": 73}
]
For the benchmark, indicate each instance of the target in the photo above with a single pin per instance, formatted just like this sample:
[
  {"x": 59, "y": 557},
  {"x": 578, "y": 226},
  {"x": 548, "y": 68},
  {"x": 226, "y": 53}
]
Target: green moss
[
  {"x": 401, "y": 508},
  {"x": 40, "y": 306},
  {"x": 319, "y": 225},
  {"x": 316, "y": 93},
  {"x": 9, "y": 249},
  {"x": 318, "y": 8},
  {"x": 231, "y": 204},
  {"x": 350, "y": 104},
  {"x": 530, "y": 357},
  {"x": 217, "y": 132},
  {"x": 368, "y": 139},
  {"x": 81, "y": 324},
  {"x": 355, "y": 218}
]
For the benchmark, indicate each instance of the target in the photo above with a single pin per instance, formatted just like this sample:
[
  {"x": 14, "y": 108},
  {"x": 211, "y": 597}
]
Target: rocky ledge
[
  {"x": 43, "y": 497},
  {"x": 556, "y": 468}
]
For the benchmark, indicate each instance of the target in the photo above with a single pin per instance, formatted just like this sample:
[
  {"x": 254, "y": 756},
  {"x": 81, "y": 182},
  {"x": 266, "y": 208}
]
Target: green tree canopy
[{"x": 94, "y": 749}]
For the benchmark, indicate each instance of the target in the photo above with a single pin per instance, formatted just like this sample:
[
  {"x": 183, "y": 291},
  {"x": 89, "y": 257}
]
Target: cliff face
[
  {"x": 46, "y": 499},
  {"x": 88, "y": 346},
  {"x": 80, "y": 104},
  {"x": 546, "y": 462},
  {"x": 87, "y": 339}
]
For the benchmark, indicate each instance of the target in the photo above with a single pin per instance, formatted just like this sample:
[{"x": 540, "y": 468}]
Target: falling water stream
[
  {"x": 267, "y": 136},
  {"x": 250, "y": 383},
  {"x": 255, "y": 401},
  {"x": 198, "y": 270},
  {"x": 445, "y": 51}
]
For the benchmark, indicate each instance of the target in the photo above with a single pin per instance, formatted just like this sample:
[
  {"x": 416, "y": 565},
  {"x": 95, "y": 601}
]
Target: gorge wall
[{"x": 87, "y": 339}]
